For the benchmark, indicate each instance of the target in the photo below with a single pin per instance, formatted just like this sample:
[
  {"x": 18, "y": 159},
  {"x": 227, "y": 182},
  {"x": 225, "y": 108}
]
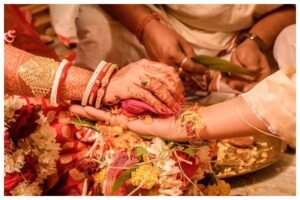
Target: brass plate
[{"x": 276, "y": 148}]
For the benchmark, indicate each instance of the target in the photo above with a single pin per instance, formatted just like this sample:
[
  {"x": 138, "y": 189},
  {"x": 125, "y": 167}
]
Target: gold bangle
[{"x": 38, "y": 74}]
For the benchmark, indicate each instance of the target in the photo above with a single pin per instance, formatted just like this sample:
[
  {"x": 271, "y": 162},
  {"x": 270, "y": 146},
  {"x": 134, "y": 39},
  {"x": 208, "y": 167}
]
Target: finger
[
  {"x": 190, "y": 65},
  {"x": 187, "y": 48},
  {"x": 160, "y": 91},
  {"x": 150, "y": 99},
  {"x": 174, "y": 87},
  {"x": 167, "y": 75},
  {"x": 234, "y": 59},
  {"x": 240, "y": 77},
  {"x": 249, "y": 87},
  {"x": 79, "y": 110},
  {"x": 98, "y": 114},
  {"x": 235, "y": 84},
  {"x": 265, "y": 69}
]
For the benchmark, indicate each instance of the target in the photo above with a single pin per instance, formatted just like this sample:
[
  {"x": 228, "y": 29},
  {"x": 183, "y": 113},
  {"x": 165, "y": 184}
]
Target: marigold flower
[
  {"x": 142, "y": 173},
  {"x": 99, "y": 177}
]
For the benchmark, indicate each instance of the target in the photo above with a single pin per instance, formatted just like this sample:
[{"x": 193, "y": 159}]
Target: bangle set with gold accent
[{"x": 95, "y": 89}]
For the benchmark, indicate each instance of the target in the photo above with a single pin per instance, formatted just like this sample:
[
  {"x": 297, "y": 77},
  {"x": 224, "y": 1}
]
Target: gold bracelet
[
  {"x": 38, "y": 74},
  {"x": 193, "y": 122}
]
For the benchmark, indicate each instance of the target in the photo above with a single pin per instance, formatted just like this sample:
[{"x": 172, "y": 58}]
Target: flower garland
[{"x": 37, "y": 153}]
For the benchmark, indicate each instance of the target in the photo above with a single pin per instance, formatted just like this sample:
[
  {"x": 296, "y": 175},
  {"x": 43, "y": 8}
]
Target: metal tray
[{"x": 277, "y": 147}]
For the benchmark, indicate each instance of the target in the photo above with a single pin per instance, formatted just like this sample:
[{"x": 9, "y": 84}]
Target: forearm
[
  {"x": 128, "y": 15},
  {"x": 72, "y": 88},
  {"x": 225, "y": 120},
  {"x": 272, "y": 24}
]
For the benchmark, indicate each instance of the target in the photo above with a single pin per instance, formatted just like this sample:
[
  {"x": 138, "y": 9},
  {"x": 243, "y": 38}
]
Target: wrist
[
  {"x": 146, "y": 22},
  {"x": 251, "y": 39}
]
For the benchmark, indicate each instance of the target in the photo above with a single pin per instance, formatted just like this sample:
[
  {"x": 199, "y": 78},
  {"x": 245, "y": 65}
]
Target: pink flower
[{"x": 136, "y": 107}]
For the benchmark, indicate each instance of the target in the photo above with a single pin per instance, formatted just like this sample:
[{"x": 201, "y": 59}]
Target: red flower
[
  {"x": 188, "y": 169},
  {"x": 24, "y": 123},
  {"x": 87, "y": 166},
  {"x": 11, "y": 180},
  {"x": 7, "y": 142},
  {"x": 28, "y": 173}
]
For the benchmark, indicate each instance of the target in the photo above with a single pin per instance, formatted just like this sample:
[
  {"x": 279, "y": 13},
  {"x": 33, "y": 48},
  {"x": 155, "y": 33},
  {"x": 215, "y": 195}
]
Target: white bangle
[
  {"x": 53, "y": 95},
  {"x": 90, "y": 85}
]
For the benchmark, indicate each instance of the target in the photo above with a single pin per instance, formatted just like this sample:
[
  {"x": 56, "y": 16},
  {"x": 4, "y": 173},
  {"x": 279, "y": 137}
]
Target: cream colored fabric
[
  {"x": 273, "y": 100},
  {"x": 63, "y": 19},
  {"x": 211, "y": 28},
  {"x": 103, "y": 38}
]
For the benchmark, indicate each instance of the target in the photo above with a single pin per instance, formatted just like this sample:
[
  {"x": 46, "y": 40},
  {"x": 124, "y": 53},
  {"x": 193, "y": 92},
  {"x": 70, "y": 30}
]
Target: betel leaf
[
  {"x": 121, "y": 179},
  {"x": 215, "y": 63},
  {"x": 139, "y": 151},
  {"x": 83, "y": 122},
  {"x": 189, "y": 151}
]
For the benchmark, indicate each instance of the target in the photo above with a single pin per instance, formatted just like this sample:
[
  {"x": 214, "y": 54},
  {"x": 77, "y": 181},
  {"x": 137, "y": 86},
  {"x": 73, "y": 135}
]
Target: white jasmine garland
[
  {"x": 41, "y": 145},
  {"x": 11, "y": 105},
  {"x": 14, "y": 162},
  {"x": 27, "y": 189}
]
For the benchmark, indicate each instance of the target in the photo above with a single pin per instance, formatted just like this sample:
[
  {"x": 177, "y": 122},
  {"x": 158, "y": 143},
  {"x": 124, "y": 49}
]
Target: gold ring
[
  {"x": 180, "y": 70},
  {"x": 146, "y": 82},
  {"x": 183, "y": 62}
]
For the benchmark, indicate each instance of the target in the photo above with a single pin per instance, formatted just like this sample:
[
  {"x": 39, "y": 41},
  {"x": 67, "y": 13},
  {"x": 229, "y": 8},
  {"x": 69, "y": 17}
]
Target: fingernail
[
  {"x": 163, "y": 110},
  {"x": 177, "y": 107},
  {"x": 182, "y": 99}
]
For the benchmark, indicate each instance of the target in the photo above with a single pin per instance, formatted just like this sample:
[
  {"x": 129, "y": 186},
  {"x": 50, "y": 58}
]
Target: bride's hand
[
  {"x": 154, "y": 83},
  {"x": 168, "y": 128}
]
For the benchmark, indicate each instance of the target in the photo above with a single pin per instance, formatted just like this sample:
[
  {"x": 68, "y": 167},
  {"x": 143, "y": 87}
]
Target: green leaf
[
  {"x": 215, "y": 63},
  {"x": 83, "y": 122},
  {"x": 121, "y": 179},
  {"x": 189, "y": 151},
  {"x": 139, "y": 151},
  {"x": 147, "y": 137}
]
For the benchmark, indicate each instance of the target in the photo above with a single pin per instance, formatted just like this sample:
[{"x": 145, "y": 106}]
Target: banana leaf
[{"x": 215, "y": 63}]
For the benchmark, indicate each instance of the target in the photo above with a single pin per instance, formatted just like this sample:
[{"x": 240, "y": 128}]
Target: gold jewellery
[
  {"x": 38, "y": 74},
  {"x": 146, "y": 82},
  {"x": 193, "y": 122}
]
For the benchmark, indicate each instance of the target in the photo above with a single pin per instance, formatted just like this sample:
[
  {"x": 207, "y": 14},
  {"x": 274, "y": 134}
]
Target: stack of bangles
[
  {"x": 95, "y": 89},
  {"x": 193, "y": 123}
]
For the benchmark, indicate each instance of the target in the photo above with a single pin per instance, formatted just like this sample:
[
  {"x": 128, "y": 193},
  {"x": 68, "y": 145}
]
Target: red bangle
[
  {"x": 142, "y": 24},
  {"x": 62, "y": 80},
  {"x": 97, "y": 84}
]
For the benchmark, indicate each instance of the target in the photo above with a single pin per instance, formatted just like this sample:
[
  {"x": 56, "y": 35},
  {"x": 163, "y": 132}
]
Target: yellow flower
[
  {"x": 142, "y": 173},
  {"x": 100, "y": 176},
  {"x": 221, "y": 189}
]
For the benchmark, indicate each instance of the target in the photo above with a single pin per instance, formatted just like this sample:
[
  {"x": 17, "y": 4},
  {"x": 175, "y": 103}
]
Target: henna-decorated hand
[
  {"x": 163, "y": 89},
  {"x": 169, "y": 128}
]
